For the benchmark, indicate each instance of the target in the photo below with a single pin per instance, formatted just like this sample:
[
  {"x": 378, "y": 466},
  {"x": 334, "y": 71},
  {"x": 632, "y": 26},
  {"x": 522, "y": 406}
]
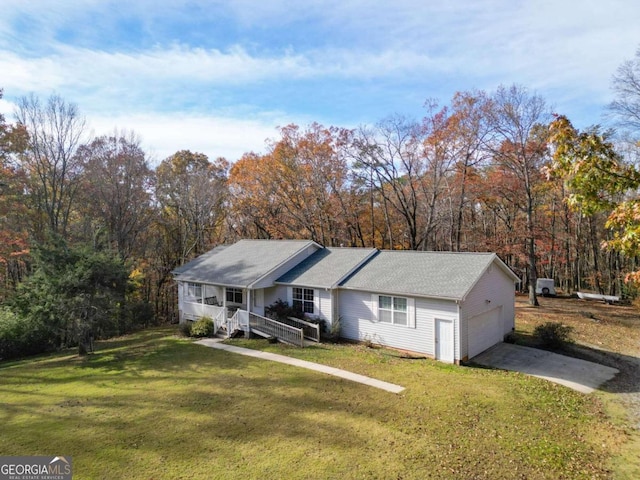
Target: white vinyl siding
[
  {"x": 325, "y": 306},
  {"x": 494, "y": 290},
  {"x": 273, "y": 294},
  {"x": 358, "y": 321}
]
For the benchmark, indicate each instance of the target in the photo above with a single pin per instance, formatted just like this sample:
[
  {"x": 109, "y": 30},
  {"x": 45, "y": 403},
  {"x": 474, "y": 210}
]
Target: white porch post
[
  {"x": 248, "y": 299},
  {"x": 202, "y": 299}
]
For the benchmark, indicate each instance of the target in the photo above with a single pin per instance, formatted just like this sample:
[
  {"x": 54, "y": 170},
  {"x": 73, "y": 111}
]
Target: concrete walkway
[
  {"x": 574, "y": 373},
  {"x": 274, "y": 357}
]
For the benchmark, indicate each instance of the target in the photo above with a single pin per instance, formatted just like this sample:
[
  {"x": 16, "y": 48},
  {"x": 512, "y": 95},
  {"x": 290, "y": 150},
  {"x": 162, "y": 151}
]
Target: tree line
[{"x": 91, "y": 231}]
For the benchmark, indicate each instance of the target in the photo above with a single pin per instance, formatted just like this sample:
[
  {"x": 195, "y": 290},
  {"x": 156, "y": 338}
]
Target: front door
[{"x": 444, "y": 340}]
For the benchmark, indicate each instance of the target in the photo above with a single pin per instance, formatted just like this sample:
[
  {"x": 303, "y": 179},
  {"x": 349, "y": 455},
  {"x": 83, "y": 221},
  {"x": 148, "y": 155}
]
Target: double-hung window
[
  {"x": 194, "y": 290},
  {"x": 303, "y": 298},
  {"x": 234, "y": 295},
  {"x": 392, "y": 310}
]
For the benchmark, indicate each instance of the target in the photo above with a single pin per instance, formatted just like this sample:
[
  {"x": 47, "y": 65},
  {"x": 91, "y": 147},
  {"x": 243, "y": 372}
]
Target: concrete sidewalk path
[
  {"x": 574, "y": 373},
  {"x": 274, "y": 357}
]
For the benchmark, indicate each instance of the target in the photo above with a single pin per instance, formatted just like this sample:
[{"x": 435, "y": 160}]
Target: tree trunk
[{"x": 533, "y": 277}]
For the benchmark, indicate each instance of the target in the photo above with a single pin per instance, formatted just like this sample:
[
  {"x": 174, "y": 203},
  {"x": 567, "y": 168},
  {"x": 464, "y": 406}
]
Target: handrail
[
  {"x": 281, "y": 331},
  {"x": 232, "y": 323},
  {"x": 220, "y": 320},
  {"x": 311, "y": 330}
]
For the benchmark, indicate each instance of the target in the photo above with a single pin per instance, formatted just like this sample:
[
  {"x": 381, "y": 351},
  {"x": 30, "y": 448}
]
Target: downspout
[
  {"x": 202, "y": 288},
  {"x": 459, "y": 342}
]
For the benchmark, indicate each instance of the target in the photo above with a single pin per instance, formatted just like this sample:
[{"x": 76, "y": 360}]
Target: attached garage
[
  {"x": 485, "y": 330},
  {"x": 457, "y": 304}
]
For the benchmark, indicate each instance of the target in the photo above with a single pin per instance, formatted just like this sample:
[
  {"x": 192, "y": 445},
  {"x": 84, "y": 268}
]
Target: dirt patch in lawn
[{"x": 612, "y": 328}]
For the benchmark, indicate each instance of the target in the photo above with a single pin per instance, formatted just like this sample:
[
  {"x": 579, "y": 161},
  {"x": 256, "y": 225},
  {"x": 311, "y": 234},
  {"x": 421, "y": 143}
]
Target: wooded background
[{"x": 486, "y": 171}]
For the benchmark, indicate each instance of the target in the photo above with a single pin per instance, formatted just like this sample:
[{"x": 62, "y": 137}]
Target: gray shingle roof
[
  {"x": 426, "y": 274},
  {"x": 327, "y": 267},
  {"x": 242, "y": 263}
]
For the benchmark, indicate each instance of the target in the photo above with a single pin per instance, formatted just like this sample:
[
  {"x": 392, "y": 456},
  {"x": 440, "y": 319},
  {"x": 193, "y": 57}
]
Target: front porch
[
  {"x": 196, "y": 300},
  {"x": 227, "y": 307}
]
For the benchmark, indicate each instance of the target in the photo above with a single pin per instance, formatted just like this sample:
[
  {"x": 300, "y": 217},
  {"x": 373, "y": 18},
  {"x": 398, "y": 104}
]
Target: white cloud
[
  {"x": 163, "y": 135},
  {"x": 405, "y": 49},
  {"x": 84, "y": 68}
]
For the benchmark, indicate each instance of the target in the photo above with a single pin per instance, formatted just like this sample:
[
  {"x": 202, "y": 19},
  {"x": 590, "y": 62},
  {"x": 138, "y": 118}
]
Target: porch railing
[
  {"x": 238, "y": 321},
  {"x": 311, "y": 330},
  {"x": 281, "y": 331},
  {"x": 196, "y": 310}
]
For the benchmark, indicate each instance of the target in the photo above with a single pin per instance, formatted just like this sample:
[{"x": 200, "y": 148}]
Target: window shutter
[
  {"x": 411, "y": 312},
  {"x": 374, "y": 307},
  {"x": 290, "y": 296}
]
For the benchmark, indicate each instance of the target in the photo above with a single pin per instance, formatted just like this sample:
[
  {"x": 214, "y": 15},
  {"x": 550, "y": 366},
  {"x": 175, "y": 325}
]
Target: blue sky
[{"x": 218, "y": 77}]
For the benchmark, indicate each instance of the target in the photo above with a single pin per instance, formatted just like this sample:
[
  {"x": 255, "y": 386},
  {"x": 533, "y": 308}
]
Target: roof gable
[
  {"x": 327, "y": 267},
  {"x": 242, "y": 263},
  {"x": 449, "y": 275}
]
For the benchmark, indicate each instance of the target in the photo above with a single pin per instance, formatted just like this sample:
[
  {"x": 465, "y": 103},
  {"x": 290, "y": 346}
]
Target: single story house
[{"x": 449, "y": 306}]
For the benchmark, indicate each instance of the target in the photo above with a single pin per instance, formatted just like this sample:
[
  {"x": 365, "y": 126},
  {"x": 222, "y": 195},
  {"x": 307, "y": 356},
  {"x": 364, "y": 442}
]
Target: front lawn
[{"x": 153, "y": 405}]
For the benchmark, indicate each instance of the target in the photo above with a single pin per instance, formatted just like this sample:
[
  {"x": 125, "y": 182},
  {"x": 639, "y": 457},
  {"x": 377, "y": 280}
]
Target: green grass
[{"x": 153, "y": 405}]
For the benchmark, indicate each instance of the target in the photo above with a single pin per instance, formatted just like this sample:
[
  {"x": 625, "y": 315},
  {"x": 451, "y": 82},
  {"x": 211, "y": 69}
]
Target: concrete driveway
[{"x": 574, "y": 373}]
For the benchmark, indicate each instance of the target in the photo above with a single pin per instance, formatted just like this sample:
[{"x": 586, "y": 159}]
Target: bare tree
[
  {"x": 55, "y": 130},
  {"x": 389, "y": 159},
  {"x": 517, "y": 118},
  {"x": 626, "y": 85}
]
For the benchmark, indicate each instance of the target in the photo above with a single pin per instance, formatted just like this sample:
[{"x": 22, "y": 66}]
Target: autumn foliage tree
[
  {"x": 296, "y": 190},
  {"x": 520, "y": 151},
  {"x": 599, "y": 180},
  {"x": 467, "y": 176},
  {"x": 191, "y": 191},
  {"x": 117, "y": 189},
  {"x": 14, "y": 245}
]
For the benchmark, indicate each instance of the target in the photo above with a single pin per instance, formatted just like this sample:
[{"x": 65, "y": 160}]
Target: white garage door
[{"x": 485, "y": 331}]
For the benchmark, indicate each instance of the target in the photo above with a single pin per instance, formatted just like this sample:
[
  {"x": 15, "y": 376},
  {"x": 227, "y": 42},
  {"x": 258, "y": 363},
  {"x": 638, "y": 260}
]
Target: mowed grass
[{"x": 153, "y": 405}]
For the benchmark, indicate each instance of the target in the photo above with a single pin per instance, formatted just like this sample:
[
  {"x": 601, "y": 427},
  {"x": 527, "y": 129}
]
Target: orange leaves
[{"x": 292, "y": 190}]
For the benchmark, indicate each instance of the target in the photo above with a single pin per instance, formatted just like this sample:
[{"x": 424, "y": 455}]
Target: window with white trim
[
  {"x": 234, "y": 295},
  {"x": 392, "y": 310},
  {"x": 303, "y": 298},
  {"x": 194, "y": 290}
]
